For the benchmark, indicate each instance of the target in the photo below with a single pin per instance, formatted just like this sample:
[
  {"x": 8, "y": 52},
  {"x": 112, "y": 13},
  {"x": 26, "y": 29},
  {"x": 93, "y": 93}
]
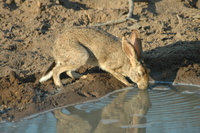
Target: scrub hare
[{"x": 77, "y": 47}]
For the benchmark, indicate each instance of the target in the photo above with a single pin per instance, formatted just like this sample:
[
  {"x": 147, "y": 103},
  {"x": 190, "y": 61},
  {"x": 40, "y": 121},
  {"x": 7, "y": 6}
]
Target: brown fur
[{"x": 77, "y": 47}]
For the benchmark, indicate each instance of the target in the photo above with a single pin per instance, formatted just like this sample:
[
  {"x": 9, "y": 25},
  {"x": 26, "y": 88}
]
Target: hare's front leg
[{"x": 121, "y": 78}]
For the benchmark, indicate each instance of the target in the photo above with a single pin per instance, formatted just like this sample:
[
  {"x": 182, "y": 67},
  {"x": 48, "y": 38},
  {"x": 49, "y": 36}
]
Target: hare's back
[
  {"x": 68, "y": 50},
  {"x": 97, "y": 41},
  {"x": 84, "y": 43}
]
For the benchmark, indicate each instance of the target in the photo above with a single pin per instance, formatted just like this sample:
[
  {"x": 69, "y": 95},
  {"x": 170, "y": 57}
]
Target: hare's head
[{"x": 138, "y": 72}]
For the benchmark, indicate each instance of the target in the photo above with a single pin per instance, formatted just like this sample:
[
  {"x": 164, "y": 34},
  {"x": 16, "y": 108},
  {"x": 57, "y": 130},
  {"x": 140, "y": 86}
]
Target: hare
[{"x": 79, "y": 46}]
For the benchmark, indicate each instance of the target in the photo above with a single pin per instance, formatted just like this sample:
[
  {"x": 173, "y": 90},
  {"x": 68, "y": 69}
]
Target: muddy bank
[{"x": 171, "y": 44}]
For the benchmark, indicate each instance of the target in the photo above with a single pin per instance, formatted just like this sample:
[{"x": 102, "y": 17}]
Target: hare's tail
[{"x": 49, "y": 73}]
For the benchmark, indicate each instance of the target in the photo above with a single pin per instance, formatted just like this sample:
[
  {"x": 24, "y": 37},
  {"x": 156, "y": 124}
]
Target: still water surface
[{"x": 162, "y": 109}]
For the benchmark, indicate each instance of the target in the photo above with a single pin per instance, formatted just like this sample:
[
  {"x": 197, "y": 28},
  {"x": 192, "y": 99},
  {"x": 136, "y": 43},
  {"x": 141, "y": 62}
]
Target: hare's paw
[
  {"x": 83, "y": 77},
  {"x": 130, "y": 85},
  {"x": 68, "y": 81},
  {"x": 59, "y": 88}
]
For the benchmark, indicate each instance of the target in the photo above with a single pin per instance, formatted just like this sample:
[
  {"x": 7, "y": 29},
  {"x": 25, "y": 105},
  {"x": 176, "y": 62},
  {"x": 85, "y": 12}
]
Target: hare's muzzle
[{"x": 143, "y": 85}]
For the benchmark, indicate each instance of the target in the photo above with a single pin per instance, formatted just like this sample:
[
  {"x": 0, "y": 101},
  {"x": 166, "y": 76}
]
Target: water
[{"x": 163, "y": 109}]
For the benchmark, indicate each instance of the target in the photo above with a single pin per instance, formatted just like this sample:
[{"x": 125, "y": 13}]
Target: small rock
[
  {"x": 143, "y": 19},
  {"x": 149, "y": 39},
  {"x": 9, "y": 1},
  {"x": 134, "y": 26},
  {"x": 178, "y": 36},
  {"x": 12, "y": 76},
  {"x": 19, "y": 1},
  {"x": 161, "y": 88},
  {"x": 60, "y": 20},
  {"x": 198, "y": 4},
  {"x": 57, "y": 2},
  {"x": 197, "y": 16}
]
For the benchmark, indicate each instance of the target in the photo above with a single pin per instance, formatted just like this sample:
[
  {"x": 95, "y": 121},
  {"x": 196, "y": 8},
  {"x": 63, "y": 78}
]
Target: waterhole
[{"x": 164, "y": 108}]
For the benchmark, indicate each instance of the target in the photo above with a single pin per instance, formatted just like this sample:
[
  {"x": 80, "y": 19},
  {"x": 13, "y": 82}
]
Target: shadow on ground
[{"x": 165, "y": 62}]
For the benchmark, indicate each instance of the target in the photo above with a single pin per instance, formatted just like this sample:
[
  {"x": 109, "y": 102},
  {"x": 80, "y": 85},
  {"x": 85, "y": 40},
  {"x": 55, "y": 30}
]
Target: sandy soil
[{"x": 171, "y": 42}]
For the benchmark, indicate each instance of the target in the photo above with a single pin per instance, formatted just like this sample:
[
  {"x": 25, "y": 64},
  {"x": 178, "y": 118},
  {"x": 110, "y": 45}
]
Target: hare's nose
[{"x": 143, "y": 85}]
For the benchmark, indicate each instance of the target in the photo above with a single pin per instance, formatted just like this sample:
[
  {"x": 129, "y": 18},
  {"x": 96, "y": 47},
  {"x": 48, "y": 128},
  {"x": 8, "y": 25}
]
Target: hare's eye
[{"x": 140, "y": 73}]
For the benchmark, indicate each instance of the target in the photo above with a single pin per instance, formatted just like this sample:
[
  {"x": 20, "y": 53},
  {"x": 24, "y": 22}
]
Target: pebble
[
  {"x": 149, "y": 39},
  {"x": 134, "y": 26},
  {"x": 178, "y": 36},
  {"x": 161, "y": 88}
]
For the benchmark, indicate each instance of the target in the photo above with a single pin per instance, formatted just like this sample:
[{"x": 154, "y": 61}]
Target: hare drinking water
[{"x": 79, "y": 46}]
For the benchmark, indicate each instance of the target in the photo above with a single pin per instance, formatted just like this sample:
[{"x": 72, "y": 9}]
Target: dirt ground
[{"x": 171, "y": 42}]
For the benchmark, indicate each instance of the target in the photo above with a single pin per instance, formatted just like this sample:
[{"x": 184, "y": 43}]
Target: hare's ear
[
  {"x": 135, "y": 40},
  {"x": 128, "y": 49}
]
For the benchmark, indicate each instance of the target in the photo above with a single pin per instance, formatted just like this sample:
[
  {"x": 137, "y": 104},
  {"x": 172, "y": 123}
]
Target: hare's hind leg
[
  {"x": 63, "y": 68},
  {"x": 74, "y": 58},
  {"x": 49, "y": 73}
]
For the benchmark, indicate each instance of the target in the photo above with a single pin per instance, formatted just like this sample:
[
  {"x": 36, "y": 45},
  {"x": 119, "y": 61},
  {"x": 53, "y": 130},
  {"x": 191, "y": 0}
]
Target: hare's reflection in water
[{"x": 121, "y": 111}]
